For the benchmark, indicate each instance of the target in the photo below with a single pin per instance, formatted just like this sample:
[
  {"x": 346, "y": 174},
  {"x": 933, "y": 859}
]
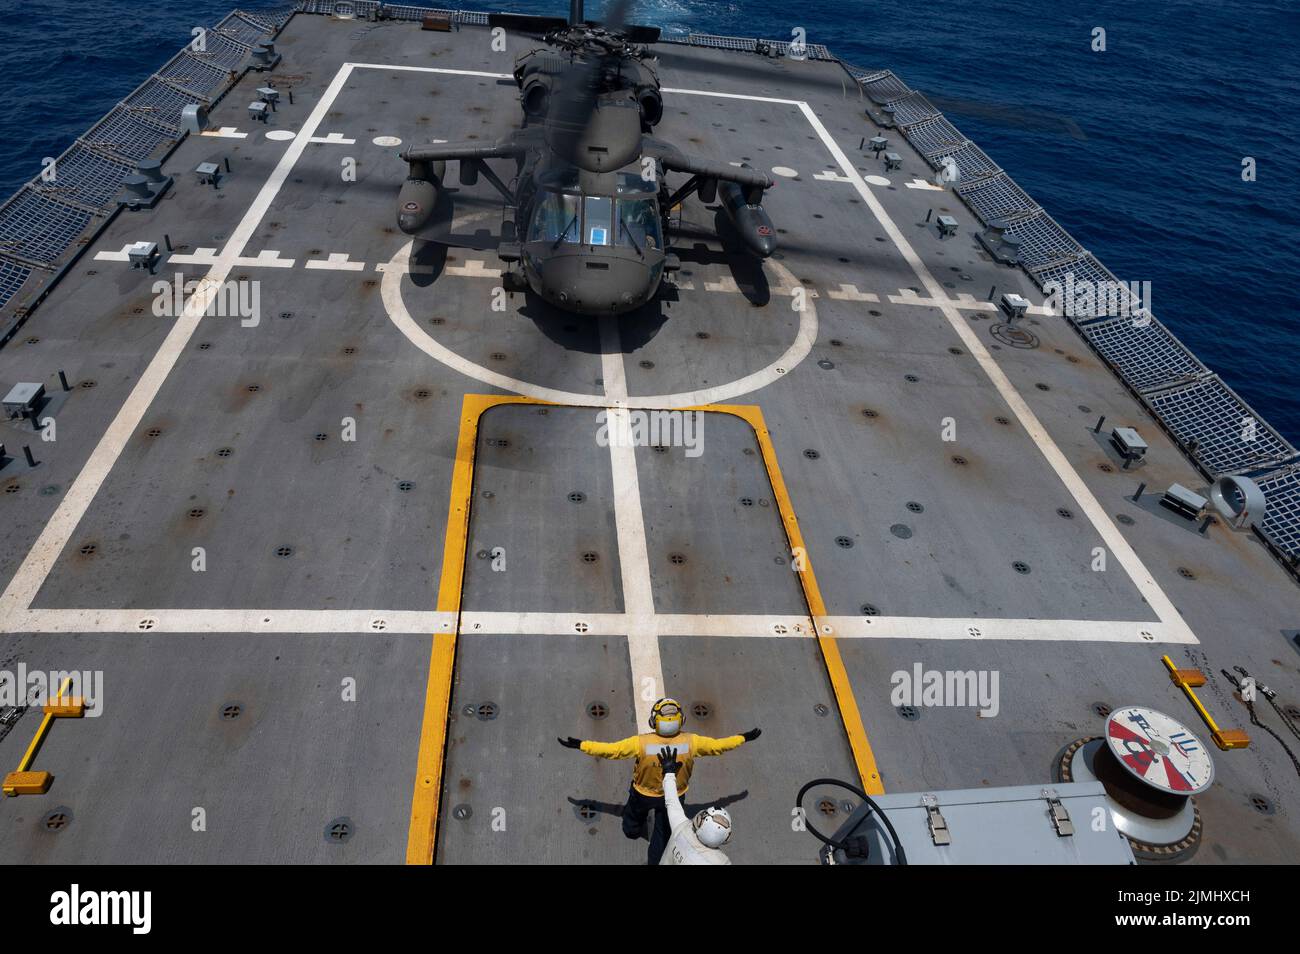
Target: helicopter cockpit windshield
[{"x": 630, "y": 219}]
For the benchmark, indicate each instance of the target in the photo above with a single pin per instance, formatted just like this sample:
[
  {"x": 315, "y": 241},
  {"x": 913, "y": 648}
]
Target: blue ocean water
[{"x": 1136, "y": 150}]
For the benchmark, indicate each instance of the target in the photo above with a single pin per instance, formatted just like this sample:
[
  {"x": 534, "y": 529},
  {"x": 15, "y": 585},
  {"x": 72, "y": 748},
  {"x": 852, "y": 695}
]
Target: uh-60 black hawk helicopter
[{"x": 587, "y": 208}]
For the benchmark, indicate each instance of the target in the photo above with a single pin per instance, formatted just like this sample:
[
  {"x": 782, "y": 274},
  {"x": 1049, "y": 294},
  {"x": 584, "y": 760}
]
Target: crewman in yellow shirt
[{"x": 647, "y": 790}]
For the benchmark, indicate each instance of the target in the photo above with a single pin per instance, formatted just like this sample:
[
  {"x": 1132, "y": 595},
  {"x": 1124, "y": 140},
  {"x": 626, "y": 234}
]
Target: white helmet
[{"x": 713, "y": 827}]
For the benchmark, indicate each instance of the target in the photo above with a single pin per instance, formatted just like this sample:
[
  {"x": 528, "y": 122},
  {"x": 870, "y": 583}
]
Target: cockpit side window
[
  {"x": 638, "y": 224},
  {"x": 555, "y": 219}
]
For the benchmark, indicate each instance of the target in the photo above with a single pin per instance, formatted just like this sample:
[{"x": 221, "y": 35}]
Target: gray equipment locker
[{"x": 1017, "y": 825}]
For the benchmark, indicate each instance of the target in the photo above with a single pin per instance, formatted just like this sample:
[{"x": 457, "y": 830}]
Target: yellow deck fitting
[
  {"x": 1186, "y": 679},
  {"x": 25, "y": 782}
]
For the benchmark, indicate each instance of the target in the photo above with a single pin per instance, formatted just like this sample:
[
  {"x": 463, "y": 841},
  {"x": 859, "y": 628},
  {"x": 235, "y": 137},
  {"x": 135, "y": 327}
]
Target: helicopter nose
[{"x": 596, "y": 286}]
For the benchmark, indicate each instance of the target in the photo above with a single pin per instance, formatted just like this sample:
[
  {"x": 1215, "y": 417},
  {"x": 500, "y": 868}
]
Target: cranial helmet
[
  {"x": 666, "y": 717},
  {"x": 713, "y": 827}
]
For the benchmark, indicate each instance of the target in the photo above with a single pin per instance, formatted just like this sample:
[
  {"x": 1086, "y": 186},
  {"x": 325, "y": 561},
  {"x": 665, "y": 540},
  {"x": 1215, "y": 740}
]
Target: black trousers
[{"x": 634, "y": 818}]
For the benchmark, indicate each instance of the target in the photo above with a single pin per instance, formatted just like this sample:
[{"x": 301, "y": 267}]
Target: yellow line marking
[
  {"x": 11, "y": 786},
  {"x": 863, "y": 757},
  {"x": 423, "y": 832},
  {"x": 1185, "y": 679},
  {"x": 422, "y": 835}
]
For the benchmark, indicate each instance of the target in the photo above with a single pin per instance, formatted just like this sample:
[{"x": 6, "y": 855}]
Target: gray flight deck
[{"x": 312, "y": 458}]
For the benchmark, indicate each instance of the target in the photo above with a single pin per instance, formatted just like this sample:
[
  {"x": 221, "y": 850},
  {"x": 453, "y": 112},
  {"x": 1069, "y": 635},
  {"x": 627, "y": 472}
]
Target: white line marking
[
  {"x": 26, "y": 582},
  {"x": 633, "y": 555},
  {"x": 1110, "y": 534},
  {"x": 473, "y": 268},
  {"x": 850, "y": 293},
  {"x": 646, "y": 626},
  {"x": 121, "y": 256},
  {"x": 333, "y": 139},
  {"x": 225, "y": 132},
  {"x": 922, "y": 184},
  {"x": 338, "y": 261}
]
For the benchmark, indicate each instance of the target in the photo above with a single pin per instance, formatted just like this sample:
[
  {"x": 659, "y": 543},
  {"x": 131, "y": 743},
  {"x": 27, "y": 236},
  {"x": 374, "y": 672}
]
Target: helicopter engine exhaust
[
  {"x": 750, "y": 218},
  {"x": 419, "y": 195}
]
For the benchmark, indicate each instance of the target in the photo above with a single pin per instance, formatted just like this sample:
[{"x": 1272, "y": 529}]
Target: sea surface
[{"x": 1137, "y": 150}]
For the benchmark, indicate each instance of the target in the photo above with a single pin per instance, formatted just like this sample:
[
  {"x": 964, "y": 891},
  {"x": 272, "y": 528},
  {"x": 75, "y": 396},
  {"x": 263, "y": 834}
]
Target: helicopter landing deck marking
[{"x": 799, "y": 349}]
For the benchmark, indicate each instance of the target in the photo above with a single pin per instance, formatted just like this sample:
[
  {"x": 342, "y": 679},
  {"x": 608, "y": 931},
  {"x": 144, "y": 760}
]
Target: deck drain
[
  {"x": 225, "y": 451},
  {"x": 646, "y": 365},
  {"x": 702, "y": 335},
  {"x": 1043, "y": 387},
  {"x": 205, "y": 345},
  {"x": 338, "y": 831},
  {"x": 437, "y": 321},
  {"x": 585, "y": 812},
  {"x": 253, "y": 388},
  {"x": 590, "y": 556},
  {"x": 57, "y": 819},
  {"x": 231, "y": 711},
  {"x": 1262, "y": 804},
  {"x": 320, "y": 436},
  {"x": 196, "y": 513},
  {"x": 1105, "y": 468},
  {"x": 869, "y": 609},
  {"x": 826, "y": 806},
  {"x": 349, "y": 350},
  {"x": 86, "y": 385},
  {"x": 660, "y": 449},
  {"x": 580, "y": 627},
  {"x": 1292, "y": 711},
  {"x": 1101, "y": 708},
  {"x": 959, "y": 460},
  {"x": 577, "y": 497},
  {"x": 1085, "y": 409},
  {"x": 915, "y": 507},
  {"x": 597, "y": 710},
  {"x": 1065, "y": 512},
  {"x": 405, "y": 486},
  {"x": 421, "y": 394},
  {"x": 836, "y": 343},
  {"x": 901, "y": 530},
  {"x": 844, "y": 543},
  {"x": 284, "y": 552},
  {"x": 954, "y": 351},
  {"x": 379, "y": 624},
  {"x": 13, "y": 488},
  {"x": 1002, "y": 420},
  {"x": 869, "y": 412},
  {"x": 486, "y": 711},
  {"x": 747, "y": 501},
  {"x": 154, "y": 432},
  {"x": 811, "y": 454},
  {"x": 909, "y": 713},
  {"x": 87, "y": 549},
  {"x": 677, "y": 559},
  {"x": 826, "y": 365},
  {"x": 911, "y": 378},
  {"x": 822, "y": 709},
  {"x": 462, "y": 813},
  {"x": 497, "y": 356},
  {"x": 1186, "y": 574},
  {"x": 701, "y": 710},
  {"x": 146, "y": 624},
  {"x": 497, "y": 442},
  {"x": 1020, "y": 566}
]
